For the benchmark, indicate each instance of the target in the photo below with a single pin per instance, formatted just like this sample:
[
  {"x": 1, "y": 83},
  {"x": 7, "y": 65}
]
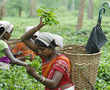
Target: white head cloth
[
  {"x": 7, "y": 26},
  {"x": 47, "y": 38}
]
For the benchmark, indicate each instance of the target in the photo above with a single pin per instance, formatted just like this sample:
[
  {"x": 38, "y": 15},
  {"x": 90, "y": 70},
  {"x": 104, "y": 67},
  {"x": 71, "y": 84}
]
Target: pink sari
[{"x": 62, "y": 64}]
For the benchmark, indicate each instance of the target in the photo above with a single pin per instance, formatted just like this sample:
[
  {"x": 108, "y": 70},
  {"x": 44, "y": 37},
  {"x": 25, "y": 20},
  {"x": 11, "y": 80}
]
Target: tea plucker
[{"x": 55, "y": 66}]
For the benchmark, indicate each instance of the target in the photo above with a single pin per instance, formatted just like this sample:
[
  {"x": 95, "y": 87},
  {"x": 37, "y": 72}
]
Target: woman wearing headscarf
[
  {"x": 55, "y": 66},
  {"x": 6, "y": 56},
  {"x": 20, "y": 50}
]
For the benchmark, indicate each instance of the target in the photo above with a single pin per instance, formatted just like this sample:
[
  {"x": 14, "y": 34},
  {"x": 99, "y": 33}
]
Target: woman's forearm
[
  {"x": 30, "y": 33},
  {"x": 21, "y": 58},
  {"x": 18, "y": 62},
  {"x": 47, "y": 82},
  {"x": 12, "y": 58}
]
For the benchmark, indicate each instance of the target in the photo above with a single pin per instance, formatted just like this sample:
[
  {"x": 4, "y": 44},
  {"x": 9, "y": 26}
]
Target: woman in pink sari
[{"x": 55, "y": 66}]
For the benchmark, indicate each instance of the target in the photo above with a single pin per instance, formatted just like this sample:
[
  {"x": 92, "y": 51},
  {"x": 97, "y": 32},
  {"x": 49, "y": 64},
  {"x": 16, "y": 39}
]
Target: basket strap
[{"x": 82, "y": 66}]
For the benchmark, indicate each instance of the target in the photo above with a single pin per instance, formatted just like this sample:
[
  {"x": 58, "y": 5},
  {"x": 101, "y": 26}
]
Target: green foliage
[
  {"x": 50, "y": 3},
  {"x": 47, "y": 15},
  {"x": 103, "y": 79},
  {"x": 17, "y": 3},
  {"x": 77, "y": 4},
  {"x": 17, "y": 79},
  {"x": 14, "y": 5},
  {"x": 18, "y": 76},
  {"x": 36, "y": 64}
]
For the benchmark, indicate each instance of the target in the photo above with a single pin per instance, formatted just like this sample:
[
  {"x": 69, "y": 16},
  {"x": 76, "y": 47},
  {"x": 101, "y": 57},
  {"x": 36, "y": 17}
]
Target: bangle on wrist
[{"x": 43, "y": 79}]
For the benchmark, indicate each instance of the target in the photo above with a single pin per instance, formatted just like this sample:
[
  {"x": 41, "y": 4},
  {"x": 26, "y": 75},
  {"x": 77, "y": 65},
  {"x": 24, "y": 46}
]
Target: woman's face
[
  {"x": 43, "y": 51},
  {"x": 6, "y": 35},
  {"x": 34, "y": 37}
]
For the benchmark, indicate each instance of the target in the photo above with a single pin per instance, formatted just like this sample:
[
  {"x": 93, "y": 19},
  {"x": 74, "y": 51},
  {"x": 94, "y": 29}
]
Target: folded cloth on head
[
  {"x": 47, "y": 38},
  {"x": 7, "y": 26}
]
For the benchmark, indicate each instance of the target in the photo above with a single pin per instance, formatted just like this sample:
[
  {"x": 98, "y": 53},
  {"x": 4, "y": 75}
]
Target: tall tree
[
  {"x": 65, "y": 2},
  {"x": 80, "y": 15},
  {"x": 18, "y": 5},
  {"x": 53, "y": 3},
  {"x": 2, "y": 8},
  {"x": 71, "y": 4},
  {"x": 32, "y": 8},
  {"x": 90, "y": 9},
  {"x": 76, "y": 2}
]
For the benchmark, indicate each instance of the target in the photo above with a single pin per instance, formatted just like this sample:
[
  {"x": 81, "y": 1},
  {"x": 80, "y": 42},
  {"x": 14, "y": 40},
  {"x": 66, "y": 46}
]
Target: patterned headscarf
[
  {"x": 8, "y": 27},
  {"x": 47, "y": 38}
]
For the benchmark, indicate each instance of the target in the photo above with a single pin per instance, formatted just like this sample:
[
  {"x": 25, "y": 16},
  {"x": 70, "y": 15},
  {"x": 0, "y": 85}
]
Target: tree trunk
[
  {"x": 2, "y": 9},
  {"x": 90, "y": 9},
  {"x": 80, "y": 15},
  {"x": 32, "y": 8},
  {"x": 20, "y": 12},
  {"x": 64, "y": 3},
  {"x": 71, "y": 4},
  {"x": 1, "y": 13}
]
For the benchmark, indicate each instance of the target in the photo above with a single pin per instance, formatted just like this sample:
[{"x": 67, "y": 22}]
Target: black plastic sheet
[
  {"x": 96, "y": 40},
  {"x": 97, "y": 37}
]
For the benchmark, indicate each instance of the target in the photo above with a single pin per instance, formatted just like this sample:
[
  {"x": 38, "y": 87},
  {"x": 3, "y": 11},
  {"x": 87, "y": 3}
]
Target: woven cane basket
[{"x": 84, "y": 66}]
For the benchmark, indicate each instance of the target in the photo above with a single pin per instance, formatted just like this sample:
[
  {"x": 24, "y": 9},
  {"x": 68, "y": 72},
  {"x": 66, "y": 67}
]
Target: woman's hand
[
  {"x": 29, "y": 57},
  {"x": 30, "y": 70},
  {"x": 41, "y": 22},
  {"x": 19, "y": 62},
  {"x": 18, "y": 53}
]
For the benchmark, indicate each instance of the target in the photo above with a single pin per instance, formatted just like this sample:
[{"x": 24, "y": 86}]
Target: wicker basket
[{"x": 84, "y": 66}]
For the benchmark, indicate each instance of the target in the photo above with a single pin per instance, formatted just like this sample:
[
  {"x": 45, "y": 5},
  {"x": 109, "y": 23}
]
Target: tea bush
[{"x": 17, "y": 79}]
